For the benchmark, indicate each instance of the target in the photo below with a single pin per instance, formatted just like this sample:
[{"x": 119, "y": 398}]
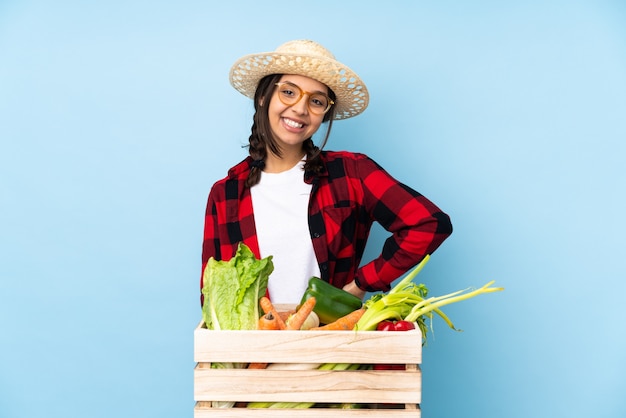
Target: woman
[{"x": 310, "y": 209}]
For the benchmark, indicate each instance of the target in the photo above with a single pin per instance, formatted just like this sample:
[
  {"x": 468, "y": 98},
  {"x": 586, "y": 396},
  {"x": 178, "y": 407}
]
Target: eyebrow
[{"x": 315, "y": 91}]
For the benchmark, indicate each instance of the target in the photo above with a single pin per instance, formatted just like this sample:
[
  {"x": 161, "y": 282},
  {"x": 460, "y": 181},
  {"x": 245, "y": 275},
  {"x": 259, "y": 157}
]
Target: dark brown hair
[{"x": 261, "y": 139}]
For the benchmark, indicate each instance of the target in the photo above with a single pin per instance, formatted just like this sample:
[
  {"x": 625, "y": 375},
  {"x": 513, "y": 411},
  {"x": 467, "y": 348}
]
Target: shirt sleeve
[
  {"x": 417, "y": 226},
  {"x": 210, "y": 241}
]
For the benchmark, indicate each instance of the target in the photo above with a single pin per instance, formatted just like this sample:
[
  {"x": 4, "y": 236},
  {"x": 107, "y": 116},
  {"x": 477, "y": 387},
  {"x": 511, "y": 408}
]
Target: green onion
[{"x": 410, "y": 302}]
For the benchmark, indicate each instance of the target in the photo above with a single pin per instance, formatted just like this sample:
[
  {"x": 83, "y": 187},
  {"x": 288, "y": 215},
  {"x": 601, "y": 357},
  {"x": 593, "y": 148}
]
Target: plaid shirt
[{"x": 346, "y": 198}]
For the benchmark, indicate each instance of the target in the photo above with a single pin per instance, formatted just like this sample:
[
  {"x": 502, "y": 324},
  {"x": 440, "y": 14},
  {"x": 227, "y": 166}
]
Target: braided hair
[{"x": 261, "y": 139}]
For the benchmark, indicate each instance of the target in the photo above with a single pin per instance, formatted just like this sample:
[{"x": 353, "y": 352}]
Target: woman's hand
[{"x": 352, "y": 288}]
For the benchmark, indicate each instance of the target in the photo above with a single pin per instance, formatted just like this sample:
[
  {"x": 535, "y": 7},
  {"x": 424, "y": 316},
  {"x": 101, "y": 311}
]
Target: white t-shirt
[{"x": 280, "y": 202}]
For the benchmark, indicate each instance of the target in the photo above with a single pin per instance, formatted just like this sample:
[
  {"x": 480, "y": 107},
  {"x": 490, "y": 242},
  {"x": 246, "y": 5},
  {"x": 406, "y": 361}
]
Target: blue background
[{"x": 117, "y": 117}]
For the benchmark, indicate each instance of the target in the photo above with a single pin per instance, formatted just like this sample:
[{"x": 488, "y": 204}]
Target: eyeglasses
[{"x": 290, "y": 94}]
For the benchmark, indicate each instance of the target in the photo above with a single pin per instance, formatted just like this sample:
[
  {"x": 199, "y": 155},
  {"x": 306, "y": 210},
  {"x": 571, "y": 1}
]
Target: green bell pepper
[{"x": 331, "y": 303}]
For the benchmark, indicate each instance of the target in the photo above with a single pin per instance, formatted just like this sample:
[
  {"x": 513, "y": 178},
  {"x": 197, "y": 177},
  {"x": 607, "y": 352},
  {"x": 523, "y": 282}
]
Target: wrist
[
  {"x": 358, "y": 284},
  {"x": 353, "y": 289}
]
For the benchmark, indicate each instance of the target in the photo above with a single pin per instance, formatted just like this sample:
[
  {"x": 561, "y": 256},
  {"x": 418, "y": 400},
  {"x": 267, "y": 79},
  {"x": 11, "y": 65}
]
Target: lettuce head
[{"x": 232, "y": 290}]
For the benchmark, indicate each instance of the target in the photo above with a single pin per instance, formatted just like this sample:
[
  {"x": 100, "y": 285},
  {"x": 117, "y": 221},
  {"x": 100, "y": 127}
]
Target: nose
[{"x": 301, "y": 106}]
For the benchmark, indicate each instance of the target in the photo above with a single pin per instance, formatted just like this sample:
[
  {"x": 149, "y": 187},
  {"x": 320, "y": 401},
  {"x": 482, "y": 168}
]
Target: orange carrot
[
  {"x": 268, "y": 307},
  {"x": 297, "y": 319},
  {"x": 257, "y": 366},
  {"x": 345, "y": 323},
  {"x": 268, "y": 322}
]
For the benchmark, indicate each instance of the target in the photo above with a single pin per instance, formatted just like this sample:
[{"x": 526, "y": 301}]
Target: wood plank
[
  {"x": 363, "y": 347},
  {"x": 358, "y": 386}
]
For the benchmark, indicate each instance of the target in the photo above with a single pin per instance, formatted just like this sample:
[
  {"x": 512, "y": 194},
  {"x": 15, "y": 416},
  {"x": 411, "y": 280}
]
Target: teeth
[{"x": 293, "y": 124}]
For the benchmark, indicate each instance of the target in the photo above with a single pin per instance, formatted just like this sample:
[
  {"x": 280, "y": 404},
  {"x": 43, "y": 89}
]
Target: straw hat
[{"x": 307, "y": 58}]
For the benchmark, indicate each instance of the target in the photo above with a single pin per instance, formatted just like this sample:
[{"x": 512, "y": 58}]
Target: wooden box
[{"x": 381, "y": 393}]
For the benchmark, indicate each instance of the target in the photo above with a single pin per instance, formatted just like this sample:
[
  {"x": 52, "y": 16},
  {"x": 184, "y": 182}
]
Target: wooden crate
[{"x": 384, "y": 393}]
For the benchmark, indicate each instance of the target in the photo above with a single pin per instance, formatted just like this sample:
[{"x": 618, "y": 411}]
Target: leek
[{"x": 410, "y": 302}]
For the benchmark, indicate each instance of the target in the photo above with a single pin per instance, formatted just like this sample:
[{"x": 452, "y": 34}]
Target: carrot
[
  {"x": 297, "y": 319},
  {"x": 345, "y": 323},
  {"x": 268, "y": 322},
  {"x": 268, "y": 307},
  {"x": 257, "y": 366}
]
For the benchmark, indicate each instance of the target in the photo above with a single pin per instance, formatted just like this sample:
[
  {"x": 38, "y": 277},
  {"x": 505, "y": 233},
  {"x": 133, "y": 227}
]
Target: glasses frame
[{"x": 302, "y": 93}]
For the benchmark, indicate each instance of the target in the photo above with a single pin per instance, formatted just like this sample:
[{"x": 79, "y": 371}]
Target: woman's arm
[{"x": 418, "y": 227}]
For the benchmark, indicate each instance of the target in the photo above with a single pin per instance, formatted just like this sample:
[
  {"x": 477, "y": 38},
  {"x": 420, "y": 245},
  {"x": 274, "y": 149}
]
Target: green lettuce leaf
[{"x": 232, "y": 290}]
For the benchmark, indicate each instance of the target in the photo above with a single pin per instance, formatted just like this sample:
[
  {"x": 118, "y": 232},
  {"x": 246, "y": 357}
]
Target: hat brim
[{"x": 352, "y": 95}]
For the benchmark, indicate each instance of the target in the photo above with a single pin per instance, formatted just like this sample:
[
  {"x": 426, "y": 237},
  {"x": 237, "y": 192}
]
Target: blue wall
[{"x": 116, "y": 118}]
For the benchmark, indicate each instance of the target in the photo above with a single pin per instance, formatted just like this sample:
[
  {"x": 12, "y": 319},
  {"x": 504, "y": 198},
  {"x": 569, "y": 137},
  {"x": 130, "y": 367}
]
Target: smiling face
[{"x": 291, "y": 125}]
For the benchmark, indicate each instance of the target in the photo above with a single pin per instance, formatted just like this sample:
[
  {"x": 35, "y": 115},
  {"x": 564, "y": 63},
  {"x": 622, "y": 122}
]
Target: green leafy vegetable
[
  {"x": 232, "y": 290},
  {"x": 410, "y": 302}
]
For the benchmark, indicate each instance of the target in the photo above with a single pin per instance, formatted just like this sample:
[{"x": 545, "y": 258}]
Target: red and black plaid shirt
[{"x": 346, "y": 198}]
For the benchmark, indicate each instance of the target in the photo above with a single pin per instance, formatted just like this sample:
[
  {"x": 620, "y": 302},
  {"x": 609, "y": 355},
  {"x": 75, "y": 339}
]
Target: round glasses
[{"x": 290, "y": 94}]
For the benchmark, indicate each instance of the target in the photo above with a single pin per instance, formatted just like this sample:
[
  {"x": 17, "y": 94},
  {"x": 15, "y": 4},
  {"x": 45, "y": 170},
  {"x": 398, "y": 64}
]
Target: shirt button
[{"x": 316, "y": 235}]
